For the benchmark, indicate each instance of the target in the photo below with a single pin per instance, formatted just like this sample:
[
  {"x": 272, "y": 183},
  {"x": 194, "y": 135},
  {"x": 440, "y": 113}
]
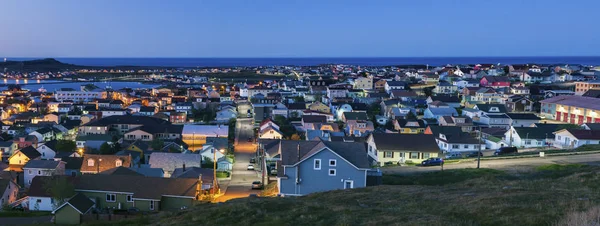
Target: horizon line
[{"x": 308, "y": 57}]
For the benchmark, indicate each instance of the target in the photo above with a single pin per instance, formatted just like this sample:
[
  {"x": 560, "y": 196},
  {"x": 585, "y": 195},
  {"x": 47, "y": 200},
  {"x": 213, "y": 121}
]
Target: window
[
  {"x": 527, "y": 141},
  {"x": 317, "y": 165},
  {"x": 332, "y": 172},
  {"x": 414, "y": 155},
  {"x": 129, "y": 198},
  {"x": 29, "y": 172},
  {"x": 90, "y": 162},
  {"x": 455, "y": 146},
  {"x": 111, "y": 197},
  {"x": 118, "y": 163},
  {"x": 426, "y": 155},
  {"x": 39, "y": 172},
  {"x": 332, "y": 162},
  {"x": 388, "y": 154},
  {"x": 151, "y": 204},
  {"x": 466, "y": 146}
]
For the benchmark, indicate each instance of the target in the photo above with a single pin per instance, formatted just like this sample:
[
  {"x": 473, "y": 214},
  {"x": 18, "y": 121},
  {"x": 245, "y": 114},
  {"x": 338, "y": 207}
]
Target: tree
[
  {"x": 298, "y": 99},
  {"x": 231, "y": 132},
  {"x": 157, "y": 144},
  {"x": 60, "y": 189},
  {"x": 106, "y": 149},
  {"x": 6, "y": 136},
  {"x": 295, "y": 136},
  {"x": 66, "y": 145},
  {"x": 207, "y": 162}
]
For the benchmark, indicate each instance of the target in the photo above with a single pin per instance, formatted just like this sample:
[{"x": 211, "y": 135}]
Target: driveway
[
  {"x": 240, "y": 184},
  {"x": 502, "y": 164}
]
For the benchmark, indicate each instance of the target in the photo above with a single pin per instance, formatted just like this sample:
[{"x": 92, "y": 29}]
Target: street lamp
[{"x": 215, "y": 169}]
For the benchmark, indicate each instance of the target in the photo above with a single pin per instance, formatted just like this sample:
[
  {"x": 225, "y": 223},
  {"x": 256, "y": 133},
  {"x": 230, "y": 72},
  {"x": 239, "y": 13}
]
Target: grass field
[{"x": 546, "y": 195}]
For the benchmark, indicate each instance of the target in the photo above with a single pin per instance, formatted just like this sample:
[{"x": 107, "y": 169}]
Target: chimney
[{"x": 183, "y": 167}]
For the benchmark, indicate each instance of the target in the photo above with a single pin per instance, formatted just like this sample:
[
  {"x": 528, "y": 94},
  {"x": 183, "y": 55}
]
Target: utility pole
[
  {"x": 264, "y": 165},
  {"x": 479, "y": 150}
]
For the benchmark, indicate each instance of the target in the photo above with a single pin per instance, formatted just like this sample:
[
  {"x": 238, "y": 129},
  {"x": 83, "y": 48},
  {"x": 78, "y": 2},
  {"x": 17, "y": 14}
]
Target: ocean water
[
  {"x": 53, "y": 85},
  {"x": 363, "y": 61}
]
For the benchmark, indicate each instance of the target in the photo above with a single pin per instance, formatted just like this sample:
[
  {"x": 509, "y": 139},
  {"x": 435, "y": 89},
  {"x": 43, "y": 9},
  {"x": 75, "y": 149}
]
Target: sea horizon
[{"x": 313, "y": 61}]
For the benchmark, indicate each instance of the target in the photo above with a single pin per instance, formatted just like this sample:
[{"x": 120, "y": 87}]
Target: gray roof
[
  {"x": 42, "y": 164},
  {"x": 405, "y": 142},
  {"x": 194, "y": 172},
  {"x": 293, "y": 152},
  {"x": 170, "y": 161}
]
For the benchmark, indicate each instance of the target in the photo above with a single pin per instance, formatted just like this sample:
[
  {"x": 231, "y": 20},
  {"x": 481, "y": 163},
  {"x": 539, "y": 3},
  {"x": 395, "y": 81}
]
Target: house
[
  {"x": 21, "y": 157},
  {"x": 93, "y": 164},
  {"x": 523, "y": 119},
  {"x": 170, "y": 161},
  {"x": 72, "y": 210},
  {"x": 452, "y": 101},
  {"x": 380, "y": 85},
  {"x": 436, "y": 113},
  {"x": 528, "y": 137},
  {"x": 392, "y": 85},
  {"x": 94, "y": 141},
  {"x": 72, "y": 165},
  {"x": 397, "y": 148},
  {"x": 35, "y": 168},
  {"x": 452, "y": 141},
  {"x": 225, "y": 115},
  {"x": 270, "y": 132},
  {"x": 409, "y": 126},
  {"x": 206, "y": 175},
  {"x": 310, "y": 121},
  {"x": 196, "y": 135},
  {"x": 444, "y": 87},
  {"x": 354, "y": 116},
  {"x": 465, "y": 123},
  {"x": 44, "y": 134},
  {"x": 359, "y": 128},
  {"x": 572, "y": 109},
  {"x": 9, "y": 190},
  {"x": 320, "y": 107},
  {"x": 208, "y": 152},
  {"x": 494, "y": 81},
  {"x": 147, "y": 194},
  {"x": 519, "y": 104},
  {"x": 6, "y": 149},
  {"x": 574, "y": 138},
  {"x": 48, "y": 149},
  {"x": 323, "y": 167},
  {"x": 363, "y": 82}
]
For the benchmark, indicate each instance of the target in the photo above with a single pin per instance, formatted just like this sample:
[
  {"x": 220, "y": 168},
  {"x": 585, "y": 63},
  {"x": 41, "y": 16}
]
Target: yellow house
[
  {"x": 21, "y": 157},
  {"x": 398, "y": 148},
  {"x": 320, "y": 107},
  {"x": 407, "y": 126}
]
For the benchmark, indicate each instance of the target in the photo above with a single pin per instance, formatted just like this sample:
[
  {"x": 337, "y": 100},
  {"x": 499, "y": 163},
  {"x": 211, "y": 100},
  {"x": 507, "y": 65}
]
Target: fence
[{"x": 104, "y": 217}]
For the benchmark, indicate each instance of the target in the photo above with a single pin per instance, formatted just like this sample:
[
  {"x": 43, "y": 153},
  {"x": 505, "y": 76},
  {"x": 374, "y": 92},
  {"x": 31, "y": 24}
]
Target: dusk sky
[{"x": 303, "y": 28}]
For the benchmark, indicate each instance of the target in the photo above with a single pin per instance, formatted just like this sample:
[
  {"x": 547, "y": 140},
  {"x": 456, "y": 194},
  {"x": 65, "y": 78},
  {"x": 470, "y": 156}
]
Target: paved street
[
  {"x": 503, "y": 164},
  {"x": 241, "y": 179}
]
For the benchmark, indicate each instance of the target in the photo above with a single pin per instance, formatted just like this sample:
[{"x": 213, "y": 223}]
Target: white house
[
  {"x": 225, "y": 115},
  {"x": 35, "y": 168},
  {"x": 458, "y": 142},
  {"x": 574, "y": 138},
  {"x": 48, "y": 149},
  {"x": 208, "y": 152},
  {"x": 527, "y": 137}
]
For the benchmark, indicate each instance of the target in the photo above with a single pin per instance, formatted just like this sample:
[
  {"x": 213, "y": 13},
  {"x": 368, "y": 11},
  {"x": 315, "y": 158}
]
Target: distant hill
[{"x": 48, "y": 64}]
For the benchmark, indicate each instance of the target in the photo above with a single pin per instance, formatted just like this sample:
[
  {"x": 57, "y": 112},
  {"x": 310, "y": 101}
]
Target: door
[
  {"x": 348, "y": 184},
  {"x": 580, "y": 119},
  {"x": 557, "y": 116}
]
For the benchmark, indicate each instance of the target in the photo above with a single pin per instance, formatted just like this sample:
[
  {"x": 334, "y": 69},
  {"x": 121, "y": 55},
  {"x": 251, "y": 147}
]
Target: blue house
[{"x": 317, "y": 166}]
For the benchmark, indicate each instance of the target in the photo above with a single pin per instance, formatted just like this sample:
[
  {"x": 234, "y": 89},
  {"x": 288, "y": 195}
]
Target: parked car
[
  {"x": 506, "y": 151},
  {"x": 474, "y": 154},
  {"x": 250, "y": 167},
  {"x": 257, "y": 185},
  {"x": 252, "y": 160},
  {"x": 432, "y": 162},
  {"x": 453, "y": 155}
]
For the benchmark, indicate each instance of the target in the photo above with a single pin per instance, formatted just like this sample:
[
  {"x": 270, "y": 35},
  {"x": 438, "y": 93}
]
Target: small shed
[{"x": 71, "y": 211}]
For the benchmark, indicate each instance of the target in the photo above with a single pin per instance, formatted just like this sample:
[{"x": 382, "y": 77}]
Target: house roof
[
  {"x": 443, "y": 111},
  {"x": 405, "y": 142},
  {"x": 52, "y": 145},
  {"x": 42, "y": 164},
  {"x": 195, "y": 172},
  {"x": 593, "y": 126},
  {"x": 170, "y": 161},
  {"x": 314, "y": 118},
  {"x": 355, "y": 153},
  {"x": 142, "y": 187},
  {"x": 30, "y": 152},
  {"x": 523, "y": 116},
  {"x": 72, "y": 163},
  {"x": 208, "y": 130},
  {"x": 355, "y": 116},
  {"x": 487, "y": 107},
  {"x": 81, "y": 203},
  {"x": 107, "y": 162},
  {"x": 446, "y": 98},
  {"x": 127, "y": 119},
  {"x": 396, "y": 83},
  {"x": 585, "y": 134},
  {"x": 403, "y": 93},
  {"x": 6, "y": 143},
  {"x": 533, "y": 133},
  {"x": 296, "y": 106},
  {"x": 121, "y": 171},
  {"x": 491, "y": 79}
]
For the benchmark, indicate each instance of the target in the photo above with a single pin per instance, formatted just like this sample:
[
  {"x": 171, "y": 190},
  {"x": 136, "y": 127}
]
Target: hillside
[
  {"x": 543, "y": 196},
  {"x": 47, "y": 64}
]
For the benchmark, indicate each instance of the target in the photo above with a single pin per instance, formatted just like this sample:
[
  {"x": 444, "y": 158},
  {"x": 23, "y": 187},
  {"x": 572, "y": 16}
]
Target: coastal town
[{"x": 97, "y": 153}]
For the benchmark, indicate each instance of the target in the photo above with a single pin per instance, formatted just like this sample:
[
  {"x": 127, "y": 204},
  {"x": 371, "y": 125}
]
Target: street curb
[{"x": 525, "y": 156}]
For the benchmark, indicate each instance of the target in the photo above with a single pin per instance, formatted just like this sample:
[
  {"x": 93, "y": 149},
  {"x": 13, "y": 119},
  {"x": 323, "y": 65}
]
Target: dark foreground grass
[{"x": 452, "y": 197}]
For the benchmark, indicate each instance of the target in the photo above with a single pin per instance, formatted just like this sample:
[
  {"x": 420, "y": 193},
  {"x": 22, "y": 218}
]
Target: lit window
[{"x": 90, "y": 162}]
